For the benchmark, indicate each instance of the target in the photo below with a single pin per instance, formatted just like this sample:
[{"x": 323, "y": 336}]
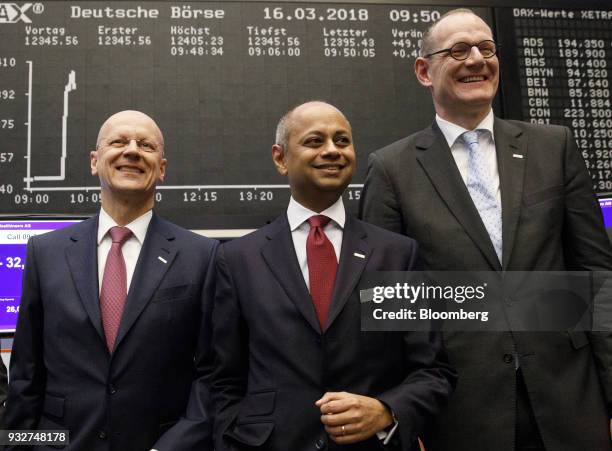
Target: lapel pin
[
  {"x": 357, "y": 254},
  {"x": 163, "y": 260},
  {"x": 517, "y": 155}
]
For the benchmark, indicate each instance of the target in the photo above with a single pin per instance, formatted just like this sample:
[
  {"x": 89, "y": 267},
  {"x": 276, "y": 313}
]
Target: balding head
[
  {"x": 126, "y": 118},
  {"x": 286, "y": 123},
  {"x": 429, "y": 43}
]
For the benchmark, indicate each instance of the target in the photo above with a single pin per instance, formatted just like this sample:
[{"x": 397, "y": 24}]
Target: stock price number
[
  {"x": 7, "y": 94},
  {"x": 124, "y": 40},
  {"x": 7, "y": 124},
  {"x": 252, "y": 196},
  {"x": 7, "y": 62},
  {"x": 51, "y": 40},
  {"x": 12, "y": 263},
  {"x": 6, "y": 157}
]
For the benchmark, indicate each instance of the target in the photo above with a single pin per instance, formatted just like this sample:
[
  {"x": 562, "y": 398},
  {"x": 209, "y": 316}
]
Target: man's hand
[{"x": 350, "y": 418}]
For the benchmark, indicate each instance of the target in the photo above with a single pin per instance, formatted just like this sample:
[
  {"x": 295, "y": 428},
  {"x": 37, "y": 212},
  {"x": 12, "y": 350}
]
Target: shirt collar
[
  {"x": 138, "y": 226},
  {"x": 297, "y": 214},
  {"x": 453, "y": 131}
]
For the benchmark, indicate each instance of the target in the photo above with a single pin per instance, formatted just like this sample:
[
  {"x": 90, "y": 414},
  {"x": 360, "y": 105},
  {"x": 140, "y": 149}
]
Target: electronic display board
[
  {"x": 563, "y": 70},
  {"x": 217, "y": 76},
  {"x": 14, "y": 236}
]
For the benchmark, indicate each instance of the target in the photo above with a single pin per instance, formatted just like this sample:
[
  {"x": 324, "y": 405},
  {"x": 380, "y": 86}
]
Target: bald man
[
  {"x": 111, "y": 313},
  {"x": 293, "y": 370}
]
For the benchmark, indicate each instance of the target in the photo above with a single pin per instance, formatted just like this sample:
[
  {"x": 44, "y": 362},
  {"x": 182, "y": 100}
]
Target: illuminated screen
[
  {"x": 606, "y": 208},
  {"x": 14, "y": 236}
]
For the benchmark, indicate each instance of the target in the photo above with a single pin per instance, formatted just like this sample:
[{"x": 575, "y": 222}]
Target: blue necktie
[{"x": 481, "y": 188}]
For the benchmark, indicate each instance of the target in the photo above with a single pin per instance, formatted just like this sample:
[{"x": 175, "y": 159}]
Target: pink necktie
[
  {"x": 114, "y": 286},
  {"x": 322, "y": 266}
]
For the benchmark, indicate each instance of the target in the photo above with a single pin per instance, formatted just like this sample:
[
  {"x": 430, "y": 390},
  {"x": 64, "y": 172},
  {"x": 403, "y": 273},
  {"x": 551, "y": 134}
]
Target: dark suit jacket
[
  {"x": 551, "y": 222},
  {"x": 62, "y": 375},
  {"x": 272, "y": 362},
  {"x": 3, "y": 390}
]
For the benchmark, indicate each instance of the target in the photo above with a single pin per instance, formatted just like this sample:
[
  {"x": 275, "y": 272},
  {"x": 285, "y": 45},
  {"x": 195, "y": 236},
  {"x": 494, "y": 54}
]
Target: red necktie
[
  {"x": 322, "y": 265},
  {"x": 114, "y": 286}
]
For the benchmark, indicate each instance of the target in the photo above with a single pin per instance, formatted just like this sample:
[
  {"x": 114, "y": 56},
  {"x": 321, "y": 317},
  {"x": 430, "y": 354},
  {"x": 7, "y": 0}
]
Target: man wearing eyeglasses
[
  {"x": 482, "y": 193},
  {"x": 112, "y": 312}
]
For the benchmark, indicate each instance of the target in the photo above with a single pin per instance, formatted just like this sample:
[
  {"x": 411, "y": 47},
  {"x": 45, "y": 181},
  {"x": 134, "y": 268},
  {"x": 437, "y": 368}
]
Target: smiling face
[
  {"x": 129, "y": 158},
  {"x": 462, "y": 91},
  {"x": 319, "y": 158}
]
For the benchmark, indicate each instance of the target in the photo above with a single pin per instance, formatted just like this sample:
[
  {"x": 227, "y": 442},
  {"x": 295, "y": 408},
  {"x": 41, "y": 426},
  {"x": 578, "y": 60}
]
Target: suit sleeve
[
  {"x": 3, "y": 390},
  {"x": 588, "y": 248},
  {"x": 193, "y": 432},
  {"x": 379, "y": 202},
  {"x": 230, "y": 340},
  {"x": 429, "y": 379},
  {"x": 27, "y": 369}
]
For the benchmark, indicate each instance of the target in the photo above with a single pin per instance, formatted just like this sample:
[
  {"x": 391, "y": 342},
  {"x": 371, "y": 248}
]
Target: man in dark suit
[
  {"x": 519, "y": 198},
  {"x": 107, "y": 337},
  {"x": 293, "y": 370}
]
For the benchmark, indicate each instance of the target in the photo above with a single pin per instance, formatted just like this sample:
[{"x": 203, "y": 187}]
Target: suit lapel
[
  {"x": 150, "y": 270},
  {"x": 511, "y": 159},
  {"x": 279, "y": 255},
  {"x": 437, "y": 161},
  {"x": 82, "y": 256},
  {"x": 350, "y": 266}
]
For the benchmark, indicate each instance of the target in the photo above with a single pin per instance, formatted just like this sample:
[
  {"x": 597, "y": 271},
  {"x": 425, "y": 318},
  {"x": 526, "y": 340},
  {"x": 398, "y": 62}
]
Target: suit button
[
  {"x": 508, "y": 358},
  {"x": 102, "y": 435},
  {"x": 320, "y": 444},
  {"x": 112, "y": 389},
  {"x": 508, "y": 302}
]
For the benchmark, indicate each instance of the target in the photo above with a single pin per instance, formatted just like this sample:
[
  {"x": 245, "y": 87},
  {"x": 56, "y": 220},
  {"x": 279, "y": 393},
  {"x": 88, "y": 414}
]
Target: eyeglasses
[
  {"x": 142, "y": 144},
  {"x": 462, "y": 50}
]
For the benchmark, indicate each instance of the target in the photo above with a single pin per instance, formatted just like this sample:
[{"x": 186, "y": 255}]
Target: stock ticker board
[{"x": 217, "y": 76}]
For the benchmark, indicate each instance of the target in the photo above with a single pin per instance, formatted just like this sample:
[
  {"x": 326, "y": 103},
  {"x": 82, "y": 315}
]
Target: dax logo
[{"x": 13, "y": 13}]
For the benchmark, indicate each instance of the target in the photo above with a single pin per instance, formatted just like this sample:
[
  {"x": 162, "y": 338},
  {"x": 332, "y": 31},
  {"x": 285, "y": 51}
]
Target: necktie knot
[
  {"x": 471, "y": 138},
  {"x": 120, "y": 234},
  {"x": 318, "y": 221}
]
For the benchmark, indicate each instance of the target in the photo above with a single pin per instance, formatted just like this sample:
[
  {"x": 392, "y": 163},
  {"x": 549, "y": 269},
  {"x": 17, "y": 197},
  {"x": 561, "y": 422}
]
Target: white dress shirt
[
  {"x": 486, "y": 141},
  {"x": 298, "y": 216},
  {"x": 131, "y": 248}
]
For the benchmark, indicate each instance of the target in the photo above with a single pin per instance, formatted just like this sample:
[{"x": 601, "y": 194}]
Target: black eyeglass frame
[{"x": 467, "y": 55}]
